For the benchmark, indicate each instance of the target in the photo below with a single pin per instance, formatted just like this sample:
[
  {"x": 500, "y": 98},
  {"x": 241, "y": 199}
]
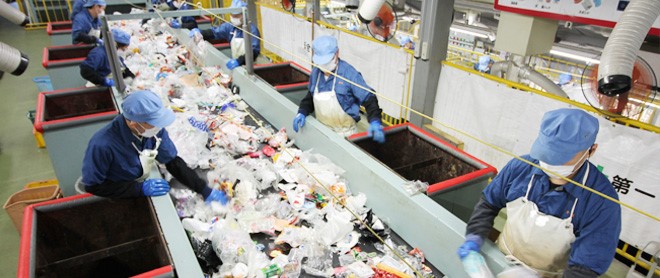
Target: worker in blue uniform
[
  {"x": 96, "y": 66},
  {"x": 187, "y": 22},
  {"x": 335, "y": 101},
  {"x": 120, "y": 156},
  {"x": 233, "y": 33},
  {"x": 85, "y": 27},
  {"x": 77, "y": 7},
  {"x": 554, "y": 227},
  {"x": 484, "y": 64}
]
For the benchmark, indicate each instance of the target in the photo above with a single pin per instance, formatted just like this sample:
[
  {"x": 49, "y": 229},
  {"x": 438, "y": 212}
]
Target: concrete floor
[{"x": 21, "y": 162}]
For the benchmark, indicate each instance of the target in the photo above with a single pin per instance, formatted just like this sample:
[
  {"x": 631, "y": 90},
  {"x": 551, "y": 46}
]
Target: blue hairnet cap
[
  {"x": 564, "y": 132},
  {"x": 121, "y": 36},
  {"x": 91, "y": 3},
  {"x": 238, "y": 4},
  {"x": 404, "y": 40},
  {"x": 565, "y": 78},
  {"x": 325, "y": 48},
  {"x": 146, "y": 107}
]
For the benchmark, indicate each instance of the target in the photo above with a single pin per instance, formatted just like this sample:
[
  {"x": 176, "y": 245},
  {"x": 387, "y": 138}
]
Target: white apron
[
  {"x": 237, "y": 46},
  {"x": 539, "y": 241},
  {"x": 329, "y": 111},
  {"x": 147, "y": 160},
  {"x": 95, "y": 33}
]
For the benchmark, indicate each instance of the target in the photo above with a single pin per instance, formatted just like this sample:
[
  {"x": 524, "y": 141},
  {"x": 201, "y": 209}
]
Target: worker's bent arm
[{"x": 180, "y": 170}]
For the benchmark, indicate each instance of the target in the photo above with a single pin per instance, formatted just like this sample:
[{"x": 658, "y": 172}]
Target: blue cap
[
  {"x": 146, "y": 107},
  {"x": 565, "y": 78},
  {"x": 121, "y": 36},
  {"x": 325, "y": 48},
  {"x": 238, "y": 4},
  {"x": 91, "y": 3},
  {"x": 564, "y": 133},
  {"x": 404, "y": 40},
  {"x": 484, "y": 61}
]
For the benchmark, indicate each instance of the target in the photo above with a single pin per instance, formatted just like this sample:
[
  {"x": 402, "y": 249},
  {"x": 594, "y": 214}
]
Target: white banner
[
  {"x": 510, "y": 119},
  {"x": 595, "y": 12},
  {"x": 384, "y": 68}
]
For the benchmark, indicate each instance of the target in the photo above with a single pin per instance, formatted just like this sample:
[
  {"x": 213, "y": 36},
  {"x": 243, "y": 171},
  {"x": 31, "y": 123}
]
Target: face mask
[
  {"x": 102, "y": 13},
  {"x": 236, "y": 21},
  {"x": 331, "y": 66},
  {"x": 149, "y": 132},
  {"x": 561, "y": 170},
  {"x": 122, "y": 53}
]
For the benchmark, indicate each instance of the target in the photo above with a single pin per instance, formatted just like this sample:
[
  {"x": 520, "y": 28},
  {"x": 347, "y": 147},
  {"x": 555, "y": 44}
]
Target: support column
[{"x": 431, "y": 50}]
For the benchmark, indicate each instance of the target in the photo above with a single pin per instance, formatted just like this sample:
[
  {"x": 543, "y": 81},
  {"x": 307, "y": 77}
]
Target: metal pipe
[
  {"x": 249, "y": 54},
  {"x": 498, "y": 67},
  {"x": 542, "y": 81}
]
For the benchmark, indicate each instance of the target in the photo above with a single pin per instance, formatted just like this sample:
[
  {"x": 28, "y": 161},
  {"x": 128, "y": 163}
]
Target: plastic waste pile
[{"x": 291, "y": 212}]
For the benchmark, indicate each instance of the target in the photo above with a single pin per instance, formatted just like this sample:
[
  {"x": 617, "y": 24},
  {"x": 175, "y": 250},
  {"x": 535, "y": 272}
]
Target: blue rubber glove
[
  {"x": 298, "y": 122},
  {"x": 155, "y": 187},
  {"x": 109, "y": 82},
  {"x": 217, "y": 196},
  {"x": 99, "y": 42},
  {"x": 472, "y": 243},
  {"x": 175, "y": 24},
  {"x": 194, "y": 32},
  {"x": 376, "y": 130},
  {"x": 232, "y": 64}
]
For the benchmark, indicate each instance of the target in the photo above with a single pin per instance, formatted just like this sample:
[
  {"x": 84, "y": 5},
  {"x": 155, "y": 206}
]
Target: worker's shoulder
[
  {"x": 601, "y": 182},
  {"x": 346, "y": 66}
]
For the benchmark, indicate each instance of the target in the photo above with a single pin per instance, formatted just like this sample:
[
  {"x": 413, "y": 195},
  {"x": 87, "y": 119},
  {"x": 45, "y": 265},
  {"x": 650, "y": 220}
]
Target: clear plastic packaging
[{"x": 475, "y": 266}]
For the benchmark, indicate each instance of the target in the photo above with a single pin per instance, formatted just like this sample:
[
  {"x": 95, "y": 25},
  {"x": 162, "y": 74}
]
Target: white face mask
[
  {"x": 561, "y": 170},
  {"x": 149, "y": 132},
  {"x": 330, "y": 66},
  {"x": 236, "y": 21}
]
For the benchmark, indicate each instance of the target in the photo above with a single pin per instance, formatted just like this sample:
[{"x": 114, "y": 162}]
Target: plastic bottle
[{"x": 475, "y": 266}]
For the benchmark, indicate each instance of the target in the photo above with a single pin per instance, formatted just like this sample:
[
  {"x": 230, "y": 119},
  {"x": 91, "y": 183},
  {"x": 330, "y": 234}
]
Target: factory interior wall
[{"x": 509, "y": 119}]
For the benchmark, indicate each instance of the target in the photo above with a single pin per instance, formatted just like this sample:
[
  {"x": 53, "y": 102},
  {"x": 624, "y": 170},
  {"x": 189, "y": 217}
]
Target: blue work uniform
[
  {"x": 186, "y": 21},
  {"x": 227, "y": 31},
  {"x": 349, "y": 96},
  {"x": 82, "y": 24},
  {"x": 96, "y": 66},
  {"x": 77, "y": 8},
  {"x": 596, "y": 221},
  {"x": 111, "y": 156}
]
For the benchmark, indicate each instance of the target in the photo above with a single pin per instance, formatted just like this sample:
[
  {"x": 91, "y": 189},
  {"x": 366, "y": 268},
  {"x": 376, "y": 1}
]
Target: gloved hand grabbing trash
[
  {"x": 376, "y": 130},
  {"x": 109, "y": 82},
  {"x": 155, "y": 187},
  {"x": 232, "y": 64},
  {"x": 175, "y": 24},
  {"x": 217, "y": 196},
  {"x": 99, "y": 42},
  {"x": 472, "y": 243},
  {"x": 193, "y": 32},
  {"x": 298, "y": 122}
]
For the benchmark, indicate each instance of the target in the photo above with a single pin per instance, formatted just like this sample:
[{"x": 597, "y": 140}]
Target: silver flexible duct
[
  {"x": 12, "y": 60},
  {"x": 13, "y": 15},
  {"x": 525, "y": 72},
  {"x": 620, "y": 52}
]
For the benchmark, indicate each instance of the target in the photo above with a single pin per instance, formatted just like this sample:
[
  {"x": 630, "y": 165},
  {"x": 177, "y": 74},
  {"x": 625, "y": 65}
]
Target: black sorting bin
[
  {"x": 89, "y": 236},
  {"x": 288, "y": 78},
  {"x": 455, "y": 178},
  {"x": 68, "y": 119}
]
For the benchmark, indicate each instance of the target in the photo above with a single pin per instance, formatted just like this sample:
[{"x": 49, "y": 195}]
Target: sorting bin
[
  {"x": 288, "y": 78},
  {"x": 59, "y": 32},
  {"x": 63, "y": 64},
  {"x": 203, "y": 22},
  {"x": 68, "y": 119},
  {"x": 455, "y": 177},
  {"x": 89, "y": 236}
]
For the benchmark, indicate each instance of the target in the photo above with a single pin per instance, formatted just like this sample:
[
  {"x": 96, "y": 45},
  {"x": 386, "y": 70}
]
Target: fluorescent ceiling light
[{"x": 574, "y": 56}]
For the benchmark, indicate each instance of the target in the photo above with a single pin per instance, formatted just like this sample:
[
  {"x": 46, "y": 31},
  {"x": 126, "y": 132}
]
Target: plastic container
[
  {"x": 455, "y": 178},
  {"x": 18, "y": 201},
  {"x": 288, "y": 78},
  {"x": 88, "y": 236},
  {"x": 63, "y": 64}
]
